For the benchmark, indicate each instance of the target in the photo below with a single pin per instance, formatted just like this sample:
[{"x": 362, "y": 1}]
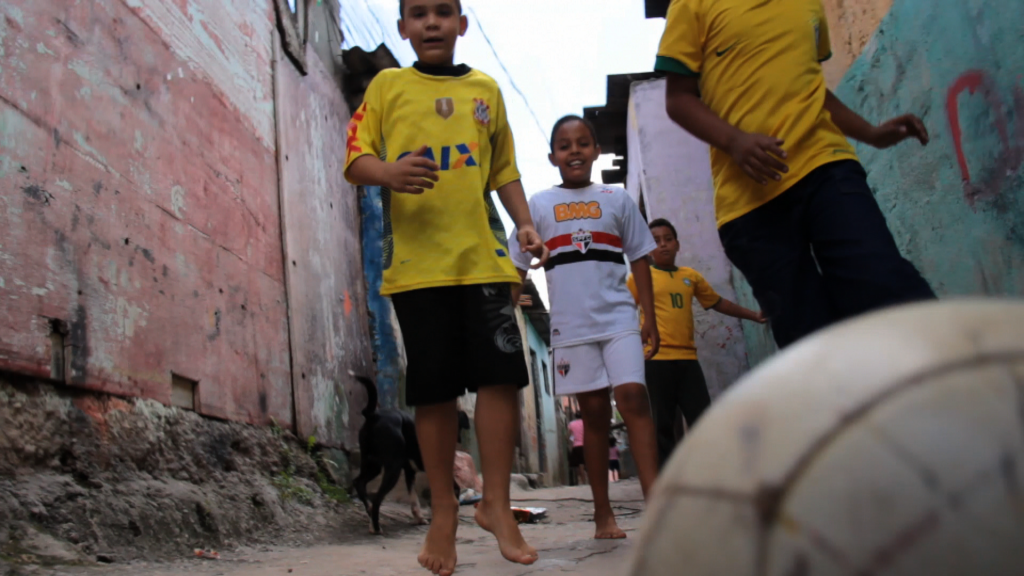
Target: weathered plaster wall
[
  {"x": 326, "y": 290},
  {"x": 543, "y": 391},
  {"x": 956, "y": 207},
  {"x": 140, "y": 199},
  {"x": 672, "y": 170},
  {"x": 851, "y": 23}
]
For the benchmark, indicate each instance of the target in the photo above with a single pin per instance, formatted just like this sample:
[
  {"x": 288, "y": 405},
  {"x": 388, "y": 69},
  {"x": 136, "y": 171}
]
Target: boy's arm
[
  {"x": 513, "y": 198},
  {"x": 757, "y": 154},
  {"x": 649, "y": 330},
  {"x": 882, "y": 136},
  {"x": 730, "y": 308},
  {"x": 411, "y": 174}
]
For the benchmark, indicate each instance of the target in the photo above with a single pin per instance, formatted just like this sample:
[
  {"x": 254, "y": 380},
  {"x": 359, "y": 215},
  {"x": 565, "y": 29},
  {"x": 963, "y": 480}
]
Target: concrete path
[{"x": 564, "y": 539}]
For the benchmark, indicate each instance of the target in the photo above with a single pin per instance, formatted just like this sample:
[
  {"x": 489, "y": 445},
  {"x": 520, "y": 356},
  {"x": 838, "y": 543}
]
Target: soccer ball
[{"x": 891, "y": 444}]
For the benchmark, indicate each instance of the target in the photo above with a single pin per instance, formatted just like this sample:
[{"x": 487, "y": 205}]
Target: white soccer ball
[{"x": 888, "y": 445}]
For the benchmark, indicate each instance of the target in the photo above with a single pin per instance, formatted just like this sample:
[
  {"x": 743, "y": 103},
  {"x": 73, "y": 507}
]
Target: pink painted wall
[{"x": 141, "y": 206}]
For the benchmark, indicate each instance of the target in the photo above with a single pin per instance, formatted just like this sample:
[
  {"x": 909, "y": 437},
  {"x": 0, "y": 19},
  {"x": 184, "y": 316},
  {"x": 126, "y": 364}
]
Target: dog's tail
[{"x": 371, "y": 394}]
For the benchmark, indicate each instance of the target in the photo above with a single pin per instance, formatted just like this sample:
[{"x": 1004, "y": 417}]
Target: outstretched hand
[
  {"x": 530, "y": 241},
  {"x": 413, "y": 173},
  {"x": 897, "y": 130}
]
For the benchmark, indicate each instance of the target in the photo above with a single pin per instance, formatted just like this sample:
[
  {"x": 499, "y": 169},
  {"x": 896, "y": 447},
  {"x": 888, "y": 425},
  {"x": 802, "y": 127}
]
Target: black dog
[{"x": 387, "y": 442}]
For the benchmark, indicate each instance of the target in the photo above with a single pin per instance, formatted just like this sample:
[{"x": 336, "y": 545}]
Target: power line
[{"x": 508, "y": 75}]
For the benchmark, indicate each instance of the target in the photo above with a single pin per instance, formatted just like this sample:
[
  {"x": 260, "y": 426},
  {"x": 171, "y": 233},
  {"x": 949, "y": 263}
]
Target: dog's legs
[
  {"x": 391, "y": 476},
  {"x": 370, "y": 470},
  {"x": 410, "y": 480}
]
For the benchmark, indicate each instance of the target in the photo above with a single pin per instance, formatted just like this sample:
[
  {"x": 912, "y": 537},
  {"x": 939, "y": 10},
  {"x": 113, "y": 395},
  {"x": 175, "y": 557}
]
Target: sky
[{"x": 550, "y": 58}]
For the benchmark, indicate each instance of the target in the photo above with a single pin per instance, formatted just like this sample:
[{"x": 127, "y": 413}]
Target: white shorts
[{"x": 587, "y": 367}]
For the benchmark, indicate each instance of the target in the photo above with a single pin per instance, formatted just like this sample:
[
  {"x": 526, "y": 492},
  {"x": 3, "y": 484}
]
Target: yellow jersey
[
  {"x": 674, "y": 291},
  {"x": 452, "y": 234},
  {"x": 759, "y": 64}
]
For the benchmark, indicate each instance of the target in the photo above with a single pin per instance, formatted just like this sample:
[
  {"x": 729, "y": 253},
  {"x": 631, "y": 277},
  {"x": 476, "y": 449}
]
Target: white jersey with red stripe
[{"x": 591, "y": 232}]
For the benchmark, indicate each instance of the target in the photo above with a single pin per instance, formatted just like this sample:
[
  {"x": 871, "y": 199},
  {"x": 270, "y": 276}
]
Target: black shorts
[
  {"x": 613, "y": 465},
  {"x": 576, "y": 456},
  {"x": 459, "y": 338}
]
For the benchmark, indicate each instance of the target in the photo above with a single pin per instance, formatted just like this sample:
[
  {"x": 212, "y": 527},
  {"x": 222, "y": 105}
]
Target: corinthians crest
[{"x": 582, "y": 239}]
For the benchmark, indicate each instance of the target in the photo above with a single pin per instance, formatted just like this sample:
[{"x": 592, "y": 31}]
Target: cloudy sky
[{"x": 550, "y": 57}]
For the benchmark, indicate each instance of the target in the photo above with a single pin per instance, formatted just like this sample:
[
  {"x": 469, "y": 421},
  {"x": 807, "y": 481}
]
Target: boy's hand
[
  {"x": 758, "y": 155},
  {"x": 649, "y": 335},
  {"x": 529, "y": 241},
  {"x": 760, "y": 318},
  {"x": 412, "y": 174},
  {"x": 897, "y": 130}
]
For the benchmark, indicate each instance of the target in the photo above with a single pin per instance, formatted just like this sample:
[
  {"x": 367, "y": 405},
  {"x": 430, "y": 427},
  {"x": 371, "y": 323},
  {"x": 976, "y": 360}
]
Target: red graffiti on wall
[{"x": 1012, "y": 155}]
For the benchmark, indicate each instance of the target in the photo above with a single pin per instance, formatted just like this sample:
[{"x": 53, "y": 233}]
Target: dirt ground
[{"x": 564, "y": 539}]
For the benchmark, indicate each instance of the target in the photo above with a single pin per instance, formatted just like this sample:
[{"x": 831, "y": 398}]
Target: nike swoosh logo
[{"x": 721, "y": 53}]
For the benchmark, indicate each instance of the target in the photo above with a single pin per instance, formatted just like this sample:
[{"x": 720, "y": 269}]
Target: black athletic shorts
[
  {"x": 614, "y": 466},
  {"x": 576, "y": 456},
  {"x": 459, "y": 338}
]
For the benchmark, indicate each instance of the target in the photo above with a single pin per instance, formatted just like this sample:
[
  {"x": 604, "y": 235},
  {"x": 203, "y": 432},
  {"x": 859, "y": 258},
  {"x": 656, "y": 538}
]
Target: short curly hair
[
  {"x": 401, "y": 7},
  {"x": 661, "y": 222}
]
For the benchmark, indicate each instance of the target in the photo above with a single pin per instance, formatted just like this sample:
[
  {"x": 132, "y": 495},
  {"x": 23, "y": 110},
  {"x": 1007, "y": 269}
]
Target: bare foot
[
  {"x": 438, "y": 554},
  {"x": 500, "y": 522},
  {"x": 607, "y": 528}
]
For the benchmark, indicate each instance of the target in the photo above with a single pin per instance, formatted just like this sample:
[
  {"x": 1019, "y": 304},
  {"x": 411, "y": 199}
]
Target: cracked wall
[{"x": 142, "y": 197}]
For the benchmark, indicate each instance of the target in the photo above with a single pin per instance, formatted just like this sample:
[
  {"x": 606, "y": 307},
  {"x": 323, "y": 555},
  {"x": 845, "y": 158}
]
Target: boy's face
[
  {"x": 574, "y": 152},
  {"x": 668, "y": 246},
  {"x": 433, "y": 26}
]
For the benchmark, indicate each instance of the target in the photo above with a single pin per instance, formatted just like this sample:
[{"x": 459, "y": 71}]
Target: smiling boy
[{"x": 436, "y": 139}]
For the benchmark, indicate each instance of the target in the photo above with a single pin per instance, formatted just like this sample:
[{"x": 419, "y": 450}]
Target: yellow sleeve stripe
[{"x": 667, "y": 64}]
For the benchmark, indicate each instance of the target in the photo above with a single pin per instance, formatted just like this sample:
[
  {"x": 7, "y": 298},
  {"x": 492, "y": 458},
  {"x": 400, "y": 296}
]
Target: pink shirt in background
[
  {"x": 576, "y": 429},
  {"x": 613, "y": 453}
]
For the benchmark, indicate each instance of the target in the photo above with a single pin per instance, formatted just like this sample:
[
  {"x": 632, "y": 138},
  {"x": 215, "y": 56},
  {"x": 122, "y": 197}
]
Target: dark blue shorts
[{"x": 821, "y": 252}]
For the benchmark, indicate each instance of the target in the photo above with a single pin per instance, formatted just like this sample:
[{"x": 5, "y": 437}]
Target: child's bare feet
[
  {"x": 607, "y": 528},
  {"x": 500, "y": 521},
  {"x": 438, "y": 554}
]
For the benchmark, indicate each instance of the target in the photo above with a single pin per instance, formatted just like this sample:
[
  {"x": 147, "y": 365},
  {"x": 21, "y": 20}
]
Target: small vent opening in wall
[
  {"x": 183, "y": 392},
  {"x": 58, "y": 343}
]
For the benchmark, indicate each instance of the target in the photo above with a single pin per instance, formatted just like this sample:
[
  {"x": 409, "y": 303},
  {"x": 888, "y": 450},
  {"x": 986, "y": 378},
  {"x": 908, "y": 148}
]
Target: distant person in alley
[
  {"x": 435, "y": 137},
  {"x": 794, "y": 209},
  {"x": 591, "y": 230},
  {"x": 675, "y": 379},
  {"x": 576, "y": 452}
]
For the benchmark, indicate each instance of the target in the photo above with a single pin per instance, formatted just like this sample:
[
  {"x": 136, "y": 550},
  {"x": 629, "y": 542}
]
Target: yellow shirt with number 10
[{"x": 674, "y": 291}]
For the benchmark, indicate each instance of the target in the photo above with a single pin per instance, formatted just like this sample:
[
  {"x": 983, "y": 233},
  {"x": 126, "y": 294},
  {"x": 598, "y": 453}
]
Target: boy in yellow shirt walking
[
  {"x": 675, "y": 380},
  {"x": 795, "y": 213},
  {"x": 436, "y": 139}
]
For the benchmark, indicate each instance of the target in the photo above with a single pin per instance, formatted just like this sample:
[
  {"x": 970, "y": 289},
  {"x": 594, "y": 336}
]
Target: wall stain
[{"x": 38, "y": 194}]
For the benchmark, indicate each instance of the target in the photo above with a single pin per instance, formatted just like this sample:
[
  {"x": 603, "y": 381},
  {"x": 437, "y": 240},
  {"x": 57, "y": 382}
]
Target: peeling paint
[
  {"x": 39, "y": 291},
  {"x": 139, "y": 141},
  {"x": 64, "y": 184},
  {"x": 80, "y": 140},
  {"x": 178, "y": 201},
  {"x": 42, "y": 49}
]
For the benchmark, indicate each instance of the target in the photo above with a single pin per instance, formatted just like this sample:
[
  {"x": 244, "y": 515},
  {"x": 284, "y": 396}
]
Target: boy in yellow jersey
[
  {"x": 795, "y": 213},
  {"x": 436, "y": 139},
  {"x": 674, "y": 377}
]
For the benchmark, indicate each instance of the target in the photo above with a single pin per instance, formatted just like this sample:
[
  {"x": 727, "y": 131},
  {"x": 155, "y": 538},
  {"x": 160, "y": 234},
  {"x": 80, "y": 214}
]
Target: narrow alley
[{"x": 563, "y": 537}]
